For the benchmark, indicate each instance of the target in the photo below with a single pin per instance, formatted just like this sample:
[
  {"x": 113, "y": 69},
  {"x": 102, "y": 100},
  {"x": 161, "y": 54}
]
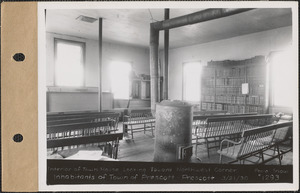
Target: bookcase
[
  {"x": 140, "y": 87},
  {"x": 221, "y": 86}
]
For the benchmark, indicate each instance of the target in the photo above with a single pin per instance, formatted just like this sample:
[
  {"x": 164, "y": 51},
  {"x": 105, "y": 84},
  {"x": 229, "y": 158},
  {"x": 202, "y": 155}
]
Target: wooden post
[
  {"x": 154, "y": 41},
  {"x": 159, "y": 83},
  {"x": 197, "y": 17},
  {"x": 100, "y": 66},
  {"x": 45, "y": 16},
  {"x": 166, "y": 61}
]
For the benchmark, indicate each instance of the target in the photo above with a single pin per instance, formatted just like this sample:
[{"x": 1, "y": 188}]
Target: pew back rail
[
  {"x": 79, "y": 129},
  {"x": 84, "y": 118},
  {"x": 254, "y": 141},
  {"x": 217, "y": 128}
]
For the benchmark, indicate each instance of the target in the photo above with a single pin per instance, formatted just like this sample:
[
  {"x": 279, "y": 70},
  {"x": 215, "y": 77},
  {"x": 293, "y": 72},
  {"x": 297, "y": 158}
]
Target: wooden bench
[
  {"x": 216, "y": 128},
  {"x": 61, "y": 116},
  {"x": 79, "y": 129},
  {"x": 74, "y": 136},
  {"x": 201, "y": 119},
  {"x": 85, "y": 118},
  {"x": 255, "y": 141},
  {"x": 138, "y": 117}
]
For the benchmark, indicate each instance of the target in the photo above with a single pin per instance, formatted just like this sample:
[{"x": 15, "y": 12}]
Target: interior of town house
[{"x": 171, "y": 85}]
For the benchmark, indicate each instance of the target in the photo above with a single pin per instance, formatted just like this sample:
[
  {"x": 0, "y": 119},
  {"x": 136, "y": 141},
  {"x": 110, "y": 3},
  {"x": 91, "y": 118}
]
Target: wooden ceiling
[{"x": 132, "y": 26}]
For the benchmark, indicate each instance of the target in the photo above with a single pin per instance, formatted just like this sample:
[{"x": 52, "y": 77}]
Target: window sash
[
  {"x": 119, "y": 79},
  {"x": 282, "y": 79},
  {"x": 64, "y": 73},
  {"x": 192, "y": 81}
]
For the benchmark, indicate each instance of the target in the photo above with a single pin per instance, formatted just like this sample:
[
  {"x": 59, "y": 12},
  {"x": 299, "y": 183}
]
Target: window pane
[
  {"x": 119, "y": 77},
  {"x": 191, "y": 82},
  {"x": 69, "y": 70}
]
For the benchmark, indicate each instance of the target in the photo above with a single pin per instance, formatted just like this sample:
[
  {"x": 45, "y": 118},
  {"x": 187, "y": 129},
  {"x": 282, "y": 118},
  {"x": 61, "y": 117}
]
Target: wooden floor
[{"x": 142, "y": 149}]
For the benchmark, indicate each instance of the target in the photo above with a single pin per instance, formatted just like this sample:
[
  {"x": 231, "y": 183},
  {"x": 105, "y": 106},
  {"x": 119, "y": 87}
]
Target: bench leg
[
  {"x": 151, "y": 129},
  {"x": 207, "y": 147},
  {"x": 262, "y": 156},
  {"x": 131, "y": 131},
  {"x": 196, "y": 148},
  {"x": 124, "y": 128},
  {"x": 144, "y": 128},
  {"x": 278, "y": 152},
  {"x": 220, "y": 160}
]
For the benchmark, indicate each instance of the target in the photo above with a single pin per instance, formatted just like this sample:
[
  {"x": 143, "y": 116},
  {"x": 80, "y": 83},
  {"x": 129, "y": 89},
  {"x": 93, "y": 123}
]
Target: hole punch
[
  {"x": 19, "y": 57},
  {"x": 18, "y": 138}
]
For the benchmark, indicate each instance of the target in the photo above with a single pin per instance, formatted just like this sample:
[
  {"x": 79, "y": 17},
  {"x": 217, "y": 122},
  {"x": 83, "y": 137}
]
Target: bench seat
[
  {"x": 254, "y": 141},
  {"x": 71, "y": 137},
  {"x": 218, "y": 128}
]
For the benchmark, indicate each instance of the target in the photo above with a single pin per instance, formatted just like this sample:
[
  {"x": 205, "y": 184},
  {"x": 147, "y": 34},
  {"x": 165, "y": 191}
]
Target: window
[
  {"x": 191, "y": 81},
  {"x": 69, "y": 63},
  {"x": 283, "y": 79},
  {"x": 119, "y": 77}
]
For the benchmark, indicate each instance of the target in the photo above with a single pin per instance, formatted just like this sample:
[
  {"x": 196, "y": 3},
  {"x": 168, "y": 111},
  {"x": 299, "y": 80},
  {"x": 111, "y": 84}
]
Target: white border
[{"x": 165, "y": 187}]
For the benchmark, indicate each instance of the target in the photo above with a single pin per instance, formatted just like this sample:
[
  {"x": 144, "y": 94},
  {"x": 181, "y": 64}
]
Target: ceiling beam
[{"x": 197, "y": 17}]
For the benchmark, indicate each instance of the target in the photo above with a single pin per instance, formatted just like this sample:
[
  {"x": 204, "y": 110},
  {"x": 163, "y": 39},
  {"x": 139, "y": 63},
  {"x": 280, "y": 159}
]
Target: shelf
[
  {"x": 65, "y": 89},
  {"x": 225, "y": 86},
  {"x": 259, "y": 77},
  {"x": 230, "y": 103},
  {"x": 254, "y": 105},
  {"x": 223, "y": 82},
  {"x": 140, "y": 88},
  {"x": 233, "y": 77},
  {"x": 140, "y": 80}
]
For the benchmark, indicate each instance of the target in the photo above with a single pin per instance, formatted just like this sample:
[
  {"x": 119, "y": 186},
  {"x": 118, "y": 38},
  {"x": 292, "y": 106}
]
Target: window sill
[
  {"x": 276, "y": 109},
  {"x": 72, "y": 89}
]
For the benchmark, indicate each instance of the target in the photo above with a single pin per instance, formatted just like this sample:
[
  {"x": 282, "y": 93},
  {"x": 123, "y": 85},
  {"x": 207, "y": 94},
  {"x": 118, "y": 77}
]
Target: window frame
[
  {"x": 83, "y": 45},
  {"x": 129, "y": 79},
  {"x": 183, "y": 81},
  {"x": 272, "y": 97}
]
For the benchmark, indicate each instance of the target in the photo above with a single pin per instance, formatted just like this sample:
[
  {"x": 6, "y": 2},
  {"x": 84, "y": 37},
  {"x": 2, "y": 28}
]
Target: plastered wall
[
  {"x": 137, "y": 56},
  {"x": 237, "y": 48}
]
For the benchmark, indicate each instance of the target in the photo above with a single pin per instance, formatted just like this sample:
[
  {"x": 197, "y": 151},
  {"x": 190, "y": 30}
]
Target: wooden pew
[
  {"x": 201, "y": 119},
  {"x": 84, "y": 118},
  {"x": 79, "y": 129},
  {"x": 216, "y": 128},
  {"x": 70, "y": 136},
  {"x": 75, "y": 115},
  {"x": 138, "y": 117},
  {"x": 254, "y": 141},
  {"x": 144, "y": 117}
]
